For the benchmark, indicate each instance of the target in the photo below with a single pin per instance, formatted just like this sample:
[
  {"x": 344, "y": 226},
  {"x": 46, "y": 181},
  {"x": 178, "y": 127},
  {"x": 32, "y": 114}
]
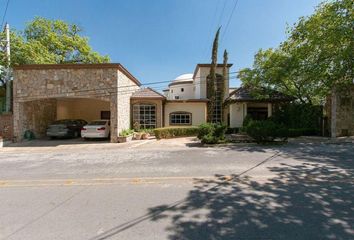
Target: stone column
[{"x": 114, "y": 118}]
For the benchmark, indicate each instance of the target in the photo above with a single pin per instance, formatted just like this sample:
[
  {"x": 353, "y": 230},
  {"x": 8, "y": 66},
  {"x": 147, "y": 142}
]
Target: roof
[
  {"x": 199, "y": 65},
  {"x": 79, "y": 66},
  {"x": 189, "y": 100},
  {"x": 149, "y": 93},
  {"x": 244, "y": 94}
]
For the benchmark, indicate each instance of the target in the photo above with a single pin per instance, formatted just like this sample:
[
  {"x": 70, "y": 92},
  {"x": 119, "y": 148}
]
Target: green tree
[
  {"x": 316, "y": 57},
  {"x": 225, "y": 77},
  {"x": 211, "y": 79},
  {"x": 45, "y": 41}
]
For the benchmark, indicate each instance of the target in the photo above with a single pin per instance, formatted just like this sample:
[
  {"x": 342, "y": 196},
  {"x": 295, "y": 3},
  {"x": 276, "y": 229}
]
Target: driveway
[{"x": 176, "y": 189}]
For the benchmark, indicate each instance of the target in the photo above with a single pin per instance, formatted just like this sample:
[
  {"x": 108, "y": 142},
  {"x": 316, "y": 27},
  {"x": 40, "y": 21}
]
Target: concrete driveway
[{"x": 176, "y": 189}]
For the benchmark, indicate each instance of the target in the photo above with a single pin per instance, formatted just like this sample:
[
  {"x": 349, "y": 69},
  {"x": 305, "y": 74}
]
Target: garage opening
[{"x": 39, "y": 114}]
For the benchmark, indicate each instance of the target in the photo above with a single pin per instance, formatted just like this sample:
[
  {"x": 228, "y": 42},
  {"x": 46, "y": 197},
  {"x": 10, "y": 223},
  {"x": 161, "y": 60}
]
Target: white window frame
[{"x": 180, "y": 118}]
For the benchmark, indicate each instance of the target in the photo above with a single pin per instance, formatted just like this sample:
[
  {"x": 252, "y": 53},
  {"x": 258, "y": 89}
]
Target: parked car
[
  {"x": 96, "y": 129},
  {"x": 65, "y": 128}
]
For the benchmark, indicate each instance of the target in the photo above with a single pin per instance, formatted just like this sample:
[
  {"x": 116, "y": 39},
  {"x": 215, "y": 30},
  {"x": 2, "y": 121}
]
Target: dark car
[{"x": 66, "y": 128}]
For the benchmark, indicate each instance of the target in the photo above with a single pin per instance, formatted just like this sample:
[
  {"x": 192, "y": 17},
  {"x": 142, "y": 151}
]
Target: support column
[{"x": 269, "y": 109}]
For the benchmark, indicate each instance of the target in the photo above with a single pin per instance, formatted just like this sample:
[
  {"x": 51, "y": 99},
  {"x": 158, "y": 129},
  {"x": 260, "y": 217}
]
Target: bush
[
  {"x": 266, "y": 131},
  {"x": 297, "y": 132},
  {"x": 126, "y": 132},
  {"x": 232, "y": 130},
  {"x": 211, "y": 133},
  {"x": 171, "y": 132}
]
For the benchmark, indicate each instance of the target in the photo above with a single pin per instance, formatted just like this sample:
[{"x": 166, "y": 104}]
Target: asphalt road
[{"x": 176, "y": 189}]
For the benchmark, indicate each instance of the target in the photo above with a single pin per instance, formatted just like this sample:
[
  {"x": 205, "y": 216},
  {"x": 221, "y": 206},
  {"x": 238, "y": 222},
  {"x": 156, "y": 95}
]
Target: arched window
[
  {"x": 144, "y": 115},
  {"x": 180, "y": 118}
]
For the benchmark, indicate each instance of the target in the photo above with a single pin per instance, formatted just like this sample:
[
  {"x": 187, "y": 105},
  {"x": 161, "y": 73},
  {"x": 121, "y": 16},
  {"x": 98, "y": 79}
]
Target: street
[{"x": 176, "y": 189}]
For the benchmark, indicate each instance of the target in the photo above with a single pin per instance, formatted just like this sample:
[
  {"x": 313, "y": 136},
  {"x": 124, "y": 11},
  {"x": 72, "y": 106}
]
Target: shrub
[
  {"x": 171, "y": 132},
  {"x": 266, "y": 131},
  {"x": 126, "y": 132},
  {"x": 297, "y": 132},
  {"x": 232, "y": 130},
  {"x": 211, "y": 133}
]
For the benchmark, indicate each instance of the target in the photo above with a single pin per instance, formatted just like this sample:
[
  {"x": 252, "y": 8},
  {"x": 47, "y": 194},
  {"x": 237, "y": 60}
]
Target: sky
[{"x": 158, "y": 40}]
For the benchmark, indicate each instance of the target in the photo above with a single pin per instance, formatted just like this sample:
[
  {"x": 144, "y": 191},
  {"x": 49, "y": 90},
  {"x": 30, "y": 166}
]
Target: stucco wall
[
  {"x": 175, "y": 90},
  {"x": 159, "y": 109},
  {"x": 238, "y": 112},
  {"x": 86, "y": 109},
  {"x": 198, "y": 110},
  {"x": 200, "y": 81}
]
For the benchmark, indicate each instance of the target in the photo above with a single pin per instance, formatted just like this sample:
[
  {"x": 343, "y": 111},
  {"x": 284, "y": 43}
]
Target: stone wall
[
  {"x": 125, "y": 89},
  {"x": 6, "y": 126},
  {"x": 34, "y": 83},
  {"x": 340, "y": 111}
]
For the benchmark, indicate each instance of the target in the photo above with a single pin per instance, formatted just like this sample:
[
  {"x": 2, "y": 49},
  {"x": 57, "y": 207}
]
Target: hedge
[
  {"x": 171, "y": 132},
  {"x": 297, "y": 132},
  {"x": 266, "y": 131}
]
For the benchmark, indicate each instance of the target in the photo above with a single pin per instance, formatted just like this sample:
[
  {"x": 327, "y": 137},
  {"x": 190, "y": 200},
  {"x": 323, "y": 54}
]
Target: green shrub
[
  {"x": 211, "y": 133},
  {"x": 232, "y": 130},
  {"x": 266, "y": 131},
  {"x": 126, "y": 132},
  {"x": 171, "y": 132},
  {"x": 297, "y": 132}
]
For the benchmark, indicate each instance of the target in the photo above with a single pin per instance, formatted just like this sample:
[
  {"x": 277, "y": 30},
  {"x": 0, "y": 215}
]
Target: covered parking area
[{"x": 45, "y": 93}]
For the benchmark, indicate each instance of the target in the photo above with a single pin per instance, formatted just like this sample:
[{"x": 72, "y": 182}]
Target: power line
[
  {"x": 3, "y": 18},
  {"x": 228, "y": 22},
  {"x": 115, "y": 90}
]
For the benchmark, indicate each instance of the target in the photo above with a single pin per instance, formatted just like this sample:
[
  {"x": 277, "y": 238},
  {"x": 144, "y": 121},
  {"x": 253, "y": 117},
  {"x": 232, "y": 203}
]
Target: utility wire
[
  {"x": 228, "y": 22},
  {"x": 88, "y": 92},
  {"x": 3, "y": 17}
]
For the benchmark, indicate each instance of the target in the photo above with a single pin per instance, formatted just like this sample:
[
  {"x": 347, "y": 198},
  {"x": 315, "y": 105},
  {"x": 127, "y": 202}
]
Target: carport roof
[{"x": 78, "y": 66}]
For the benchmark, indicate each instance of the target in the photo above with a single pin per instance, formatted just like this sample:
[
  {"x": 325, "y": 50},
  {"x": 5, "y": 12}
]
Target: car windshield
[{"x": 97, "y": 123}]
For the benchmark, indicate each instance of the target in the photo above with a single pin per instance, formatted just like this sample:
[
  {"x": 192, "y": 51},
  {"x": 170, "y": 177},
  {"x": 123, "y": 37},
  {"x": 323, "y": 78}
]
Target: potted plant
[
  {"x": 145, "y": 133},
  {"x": 137, "y": 133},
  {"x": 125, "y": 136}
]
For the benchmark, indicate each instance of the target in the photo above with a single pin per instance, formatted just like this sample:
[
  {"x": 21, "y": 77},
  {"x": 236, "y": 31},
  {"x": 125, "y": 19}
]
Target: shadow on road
[{"x": 310, "y": 200}]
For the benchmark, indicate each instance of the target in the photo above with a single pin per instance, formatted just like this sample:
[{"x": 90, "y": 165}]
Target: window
[
  {"x": 105, "y": 115},
  {"x": 180, "y": 118},
  {"x": 176, "y": 97},
  {"x": 171, "y": 90},
  {"x": 182, "y": 89},
  {"x": 144, "y": 115}
]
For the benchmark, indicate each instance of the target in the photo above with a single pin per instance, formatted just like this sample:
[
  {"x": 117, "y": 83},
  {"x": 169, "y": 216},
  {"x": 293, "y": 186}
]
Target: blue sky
[{"x": 157, "y": 40}]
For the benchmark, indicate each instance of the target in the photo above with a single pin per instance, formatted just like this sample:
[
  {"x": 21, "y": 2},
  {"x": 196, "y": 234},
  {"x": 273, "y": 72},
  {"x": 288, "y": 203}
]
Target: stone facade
[
  {"x": 340, "y": 112},
  {"x": 6, "y": 126},
  {"x": 37, "y": 88}
]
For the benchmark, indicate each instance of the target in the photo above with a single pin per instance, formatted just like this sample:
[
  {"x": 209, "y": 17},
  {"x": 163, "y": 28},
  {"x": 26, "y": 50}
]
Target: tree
[
  {"x": 316, "y": 57},
  {"x": 211, "y": 79},
  {"x": 47, "y": 41},
  {"x": 225, "y": 77}
]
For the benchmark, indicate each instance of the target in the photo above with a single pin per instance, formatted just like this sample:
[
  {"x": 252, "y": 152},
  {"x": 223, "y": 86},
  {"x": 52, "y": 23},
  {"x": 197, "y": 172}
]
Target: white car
[{"x": 96, "y": 129}]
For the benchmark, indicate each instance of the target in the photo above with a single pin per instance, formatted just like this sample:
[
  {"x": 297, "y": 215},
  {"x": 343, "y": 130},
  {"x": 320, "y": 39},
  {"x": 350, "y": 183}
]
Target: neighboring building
[
  {"x": 340, "y": 112},
  {"x": 44, "y": 93}
]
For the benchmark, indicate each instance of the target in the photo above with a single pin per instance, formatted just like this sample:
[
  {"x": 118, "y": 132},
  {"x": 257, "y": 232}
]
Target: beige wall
[
  {"x": 238, "y": 112},
  {"x": 86, "y": 109},
  {"x": 198, "y": 110}
]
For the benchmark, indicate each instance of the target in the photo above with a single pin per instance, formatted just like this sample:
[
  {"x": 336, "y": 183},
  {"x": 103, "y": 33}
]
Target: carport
[{"x": 45, "y": 93}]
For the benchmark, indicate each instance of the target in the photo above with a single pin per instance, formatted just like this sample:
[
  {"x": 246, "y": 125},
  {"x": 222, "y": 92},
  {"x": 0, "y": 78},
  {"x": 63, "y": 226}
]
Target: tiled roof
[
  {"x": 147, "y": 93},
  {"x": 244, "y": 94}
]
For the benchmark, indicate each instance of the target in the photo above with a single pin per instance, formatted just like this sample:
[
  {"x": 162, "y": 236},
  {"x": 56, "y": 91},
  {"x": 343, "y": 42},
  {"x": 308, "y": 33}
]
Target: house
[
  {"x": 47, "y": 92},
  {"x": 340, "y": 112}
]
